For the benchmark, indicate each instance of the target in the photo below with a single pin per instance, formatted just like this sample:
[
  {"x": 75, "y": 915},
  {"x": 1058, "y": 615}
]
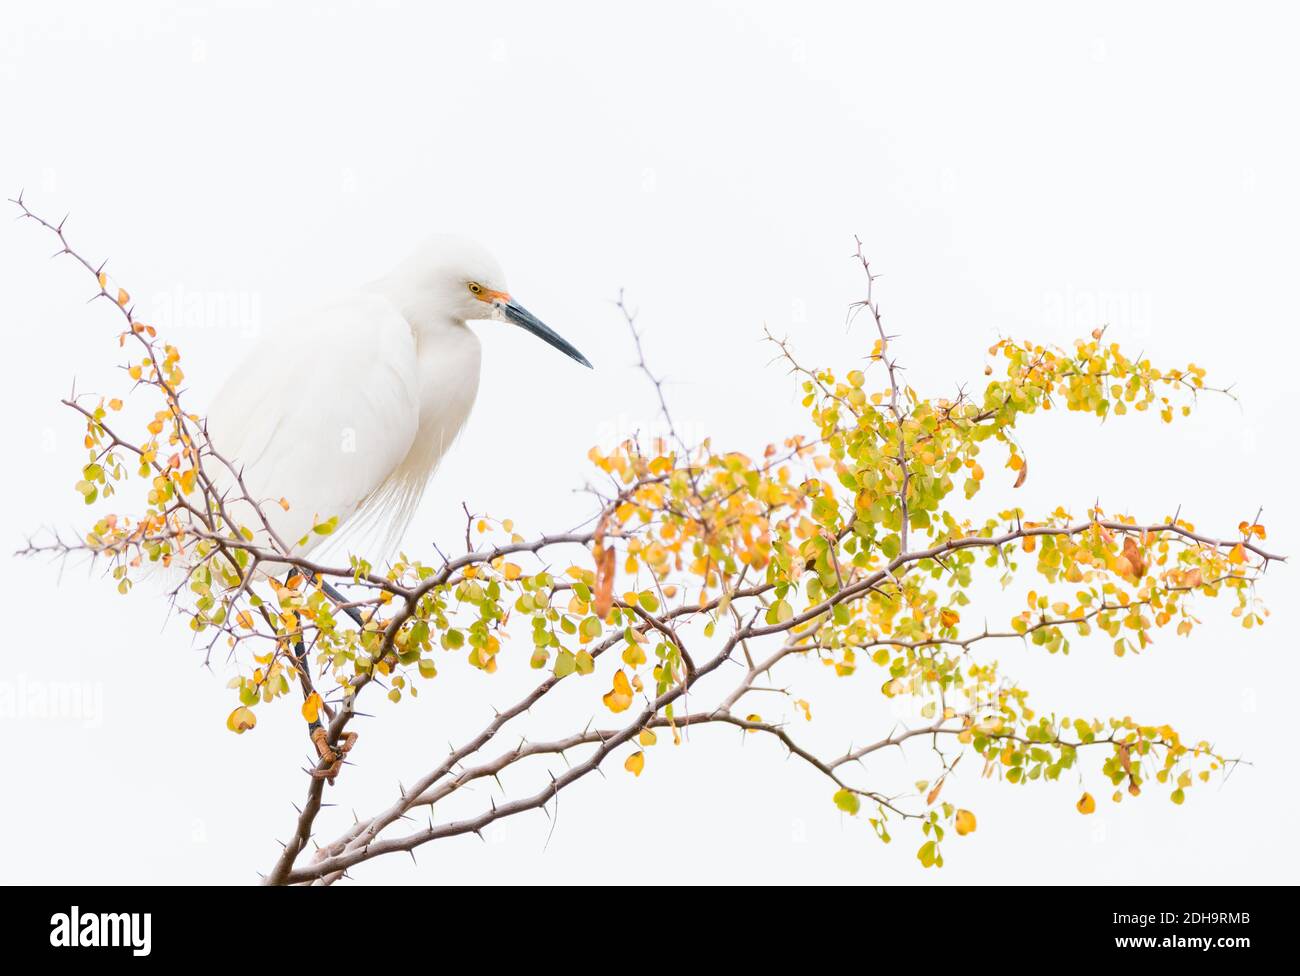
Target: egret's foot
[{"x": 332, "y": 755}]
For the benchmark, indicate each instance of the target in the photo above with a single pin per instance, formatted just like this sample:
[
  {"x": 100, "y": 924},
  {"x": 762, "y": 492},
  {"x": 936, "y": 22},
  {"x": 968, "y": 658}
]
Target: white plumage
[{"x": 346, "y": 410}]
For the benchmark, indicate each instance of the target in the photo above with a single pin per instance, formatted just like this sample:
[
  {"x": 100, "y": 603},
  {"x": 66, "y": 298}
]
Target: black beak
[{"x": 525, "y": 319}]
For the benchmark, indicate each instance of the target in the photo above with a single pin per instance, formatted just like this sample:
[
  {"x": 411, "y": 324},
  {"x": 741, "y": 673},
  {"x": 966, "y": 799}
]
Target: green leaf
[
  {"x": 847, "y": 801},
  {"x": 565, "y": 664}
]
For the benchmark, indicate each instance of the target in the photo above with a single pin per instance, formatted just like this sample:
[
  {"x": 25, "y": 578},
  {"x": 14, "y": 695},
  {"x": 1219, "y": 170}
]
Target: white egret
[{"x": 346, "y": 411}]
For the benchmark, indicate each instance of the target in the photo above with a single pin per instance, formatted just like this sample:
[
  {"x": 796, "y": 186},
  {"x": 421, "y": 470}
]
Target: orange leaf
[
  {"x": 934, "y": 793},
  {"x": 1086, "y": 804},
  {"x": 620, "y": 696},
  {"x": 1136, "y": 560},
  {"x": 604, "y": 597},
  {"x": 1024, "y": 473}
]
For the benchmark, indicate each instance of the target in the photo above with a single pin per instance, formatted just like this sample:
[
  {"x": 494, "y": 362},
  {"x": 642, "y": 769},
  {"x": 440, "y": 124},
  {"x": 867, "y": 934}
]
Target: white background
[{"x": 1035, "y": 173}]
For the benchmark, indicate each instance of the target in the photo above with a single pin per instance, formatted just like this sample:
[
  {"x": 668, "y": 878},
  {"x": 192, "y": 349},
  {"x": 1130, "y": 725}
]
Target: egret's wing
[{"x": 320, "y": 413}]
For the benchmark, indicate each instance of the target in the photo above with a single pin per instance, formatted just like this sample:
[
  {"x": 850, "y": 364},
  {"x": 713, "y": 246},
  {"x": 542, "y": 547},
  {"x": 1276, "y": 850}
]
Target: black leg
[
  {"x": 300, "y": 653},
  {"x": 315, "y": 729},
  {"x": 304, "y": 674},
  {"x": 340, "y": 599}
]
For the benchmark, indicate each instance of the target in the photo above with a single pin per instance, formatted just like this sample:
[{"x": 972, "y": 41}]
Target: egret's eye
[{"x": 475, "y": 288}]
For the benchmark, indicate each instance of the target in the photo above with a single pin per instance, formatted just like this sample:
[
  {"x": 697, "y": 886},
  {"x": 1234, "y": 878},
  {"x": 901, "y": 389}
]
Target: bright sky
[{"x": 1036, "y": 173}]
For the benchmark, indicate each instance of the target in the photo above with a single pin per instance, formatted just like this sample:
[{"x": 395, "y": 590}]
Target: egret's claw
[{"x": 332, "y": 756}]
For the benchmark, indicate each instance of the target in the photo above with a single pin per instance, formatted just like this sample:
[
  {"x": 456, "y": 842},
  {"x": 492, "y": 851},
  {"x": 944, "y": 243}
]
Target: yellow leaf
[
  {"x": 620, "y": 696},
  {"x": 965, "y": 822},
  {"x": 635, "y": 763},
  {"x": 949, "y": 617},
  {"x": 311, "y": 707},
  {"x": 647, "y": 738},
  {"x": 1086, "y": 804},
  {"x": 1238, "y": 555},
  {"x": 511, "y": 571},
  {"x": 241, "y": 720},
  {"x": 634, "y": 656},
  {"x": 122, "y": 297}
]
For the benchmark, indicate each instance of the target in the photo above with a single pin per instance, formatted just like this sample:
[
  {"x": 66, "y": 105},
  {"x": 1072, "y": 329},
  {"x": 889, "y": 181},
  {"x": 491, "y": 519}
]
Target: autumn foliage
[{"x": 853, "y": 545}]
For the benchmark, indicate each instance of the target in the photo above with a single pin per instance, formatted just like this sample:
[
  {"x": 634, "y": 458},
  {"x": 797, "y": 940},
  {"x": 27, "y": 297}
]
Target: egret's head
[{"x": 468, "y": 284}]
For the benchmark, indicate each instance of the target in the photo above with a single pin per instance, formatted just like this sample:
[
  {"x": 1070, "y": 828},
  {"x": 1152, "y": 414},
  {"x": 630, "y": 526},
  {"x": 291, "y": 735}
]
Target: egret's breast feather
[{"x": 321, "y": 412}]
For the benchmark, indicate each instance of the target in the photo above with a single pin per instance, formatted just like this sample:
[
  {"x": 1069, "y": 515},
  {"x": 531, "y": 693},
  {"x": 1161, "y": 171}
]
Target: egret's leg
[
  {"x": 300, "y": 654},
  {"x": 340, "y": 599},
  {"x": 331, "y": 756}
]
